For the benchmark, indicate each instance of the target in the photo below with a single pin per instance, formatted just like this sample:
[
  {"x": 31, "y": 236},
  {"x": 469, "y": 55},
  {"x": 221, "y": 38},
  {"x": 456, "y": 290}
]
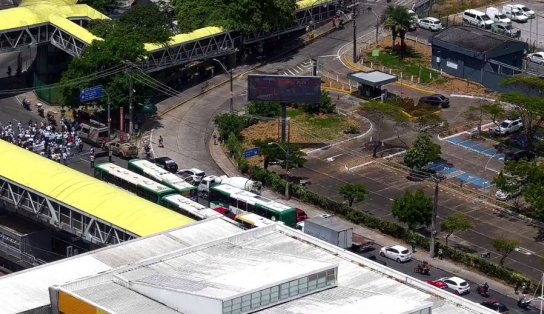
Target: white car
[
  {"x": 525, "y": 10},
  {"x": 537, "y": 57},
  {"x": 397, "y": 252},
  {"x": 430, "y": 23},
  {"x": 504, "y": 196},
  {"x": 509, "y": 126},
  {"x": 458, "y": 285},
  {"x": 192, "y": 175}
]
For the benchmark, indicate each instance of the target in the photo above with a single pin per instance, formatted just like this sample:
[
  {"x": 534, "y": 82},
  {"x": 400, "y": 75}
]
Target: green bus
[
  {"x": 133, "y": 182},
  {"x": 240, "y": 201},
  {"x": 148, "y": 169}
]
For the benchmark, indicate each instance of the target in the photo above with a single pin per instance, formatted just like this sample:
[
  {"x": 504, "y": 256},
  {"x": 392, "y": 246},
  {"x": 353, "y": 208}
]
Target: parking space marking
[{"x": 523, "y": 250}]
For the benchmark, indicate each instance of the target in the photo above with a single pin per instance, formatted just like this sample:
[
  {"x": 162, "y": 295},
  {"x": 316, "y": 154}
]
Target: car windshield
[
  {"x": 405, "y": 252},
  {"x": 526, "y": 9},
  {"x": 505, "y": 124},
  {"x": 502, "y": 16},
  {"x": 518, "y": 13},
  {"x": 508, "y": 26},
  {"x": 485, "y": 17},
  {"x": 436, "y": 22}
]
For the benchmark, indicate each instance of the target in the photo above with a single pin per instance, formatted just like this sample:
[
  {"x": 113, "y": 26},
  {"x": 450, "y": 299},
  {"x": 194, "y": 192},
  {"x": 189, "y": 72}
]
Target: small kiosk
[{"x": 372, "y": 82}]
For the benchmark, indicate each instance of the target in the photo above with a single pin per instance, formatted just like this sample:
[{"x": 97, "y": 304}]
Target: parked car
[
  {"x": 509, "y": 126},
  {"x": 506, "y": 29},
  {"x": 504, "y": 195},
  {"x": 514, "y": 13},
  {"x": 497, "y": 16},
  {"x": 435, "y": 100},
  {"x": 477, "y": 18},
  {"x": 536, "y": 57},
  {"x": 430, "y": 23},
  {"x": 456, "y": 284},
  {"x": 519, "y": 154},
  {"x": 496, "y": 306},
  {"x": 166, "y": 163},
  {"x": 193, "y": 175},
  {"x": 396, "y": 252},
  {"x": 437, "y": 283},
  {"x": 525, "y": 10},
  {"x": 123, "y": 150}
]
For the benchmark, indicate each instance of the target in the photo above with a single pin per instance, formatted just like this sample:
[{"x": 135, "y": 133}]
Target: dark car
[
  {"x": 520, "y": 154},
  {"x": 166, "y": 163},
  {"x": 435, "y": 100},
  {"x": 496, "y": 306}
]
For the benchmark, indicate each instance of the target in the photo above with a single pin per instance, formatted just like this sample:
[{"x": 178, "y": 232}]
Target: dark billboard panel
[{"x": 284, "y": 88}]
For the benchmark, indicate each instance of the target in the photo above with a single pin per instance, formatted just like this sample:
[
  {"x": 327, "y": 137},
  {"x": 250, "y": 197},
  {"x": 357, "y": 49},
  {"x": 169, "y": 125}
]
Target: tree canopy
[
  {"x": 455, "y": 222},
  {"x": 273, "y": 151},
  {"x": 397, "y": 19},
  {"x": 422, "y": 151},
  {"x": 353, "y": 192},
  {"x": 504, "y": 246},
  {"x": 245, "y": 16},
  {"x": 413, "y": 208}
]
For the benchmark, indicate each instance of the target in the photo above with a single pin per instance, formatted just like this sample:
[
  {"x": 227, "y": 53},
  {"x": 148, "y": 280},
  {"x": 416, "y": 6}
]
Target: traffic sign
[
  {"x": 251, "y": 152},
  {"x": 91, "y": 93}
]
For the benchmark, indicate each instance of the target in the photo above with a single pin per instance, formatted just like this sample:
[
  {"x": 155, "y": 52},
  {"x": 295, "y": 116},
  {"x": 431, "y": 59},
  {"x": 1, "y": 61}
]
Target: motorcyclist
[{"x": 486, "y": 287}]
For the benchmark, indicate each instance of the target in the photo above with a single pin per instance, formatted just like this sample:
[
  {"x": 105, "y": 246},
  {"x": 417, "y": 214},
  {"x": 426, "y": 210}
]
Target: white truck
[{"x": 239, "y": 182}]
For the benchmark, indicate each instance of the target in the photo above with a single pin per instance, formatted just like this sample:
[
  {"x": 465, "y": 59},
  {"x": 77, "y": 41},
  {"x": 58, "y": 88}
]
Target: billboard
[{"x": 284, "y": 88}]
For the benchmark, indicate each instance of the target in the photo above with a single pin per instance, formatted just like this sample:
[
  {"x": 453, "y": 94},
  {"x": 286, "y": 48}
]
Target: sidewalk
[{"x": 230, "y": 169}]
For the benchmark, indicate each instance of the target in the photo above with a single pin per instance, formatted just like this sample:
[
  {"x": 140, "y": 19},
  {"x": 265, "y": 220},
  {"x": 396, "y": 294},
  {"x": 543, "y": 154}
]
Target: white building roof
[
  {"x": 244, "y": 263},
  {"x": 28, "y": 289}
]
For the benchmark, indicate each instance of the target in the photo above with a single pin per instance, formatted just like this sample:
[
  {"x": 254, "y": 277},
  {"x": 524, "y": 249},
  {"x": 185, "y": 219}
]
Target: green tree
[
  {"x": 526, "y": 177},
  {"x": 413, "y": 209},
  {"x": 233, "y": 145},
  {"x": 353, "y": 192},
  {"x": 422, "y": 151},
  {"x": 504, "y": 246},
  {"x": 397, "y": 19},
  {"x": 324, "y": 106},
  {"x": 228, "y": 123},
  {"x": 264, "y": 109},
  {"x": 273, "y": 151},
  {"x": 530, "y": 108},
  {"x": 455, "y": 222},
  {"x": 484, "y": 110},
  {"x": 100, "y": 5},
  {"x": 147, "y": 23}
]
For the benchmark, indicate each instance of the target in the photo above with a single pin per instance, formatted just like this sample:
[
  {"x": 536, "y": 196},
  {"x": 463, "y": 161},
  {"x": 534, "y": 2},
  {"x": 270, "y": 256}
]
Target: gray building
[{"x": 477, "y": 55}]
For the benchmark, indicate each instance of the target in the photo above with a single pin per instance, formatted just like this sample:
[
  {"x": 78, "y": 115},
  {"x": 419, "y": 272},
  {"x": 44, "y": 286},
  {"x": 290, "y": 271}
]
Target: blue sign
[
  {"x": 251, "y": 152},
  {"x": 91, "y": 93}
]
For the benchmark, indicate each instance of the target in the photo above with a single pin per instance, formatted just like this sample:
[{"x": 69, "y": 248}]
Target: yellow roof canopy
[{"x": 92, "y": 196}]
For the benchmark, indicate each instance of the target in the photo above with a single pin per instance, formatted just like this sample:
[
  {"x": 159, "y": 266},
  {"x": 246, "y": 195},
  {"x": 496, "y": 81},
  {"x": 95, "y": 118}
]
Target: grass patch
[
  {"x": 294, "y": 112},
  {"x": 411, "y": 65}
]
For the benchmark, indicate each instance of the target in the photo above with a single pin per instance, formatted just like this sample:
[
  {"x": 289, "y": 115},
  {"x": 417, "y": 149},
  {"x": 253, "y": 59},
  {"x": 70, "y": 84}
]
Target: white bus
[
  {"x": 188, "y": 207},
  {"x": 154, "y": 172},
  {"x": 132, "y": 182}
]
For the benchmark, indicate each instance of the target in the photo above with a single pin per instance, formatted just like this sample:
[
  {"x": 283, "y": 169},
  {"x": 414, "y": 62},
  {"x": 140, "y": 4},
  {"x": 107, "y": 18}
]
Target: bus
[
  {"x": 239, "y": 201},
  {"x": 188, "y": 207},
  {"x": 251, "y": 220},
  {"x": 133, "y": 182},
  {"x": 162, "y": 176}
]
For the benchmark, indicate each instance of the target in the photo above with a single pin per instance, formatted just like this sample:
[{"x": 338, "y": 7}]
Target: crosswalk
[
  {"x": 406, "y": 3},
  {"x": 304, "y": 68}
]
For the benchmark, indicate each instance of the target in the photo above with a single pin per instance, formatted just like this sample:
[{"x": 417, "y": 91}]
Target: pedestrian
[
  {"x": 64, "y": 158},
  {"x": 516, "y": 289},
  {"x": 161, "y": 141},
  {"x": 92, "y": 160},
  {"x": 413, "y": 243},
  {"x": 440, "y": 253},
  {"x": 91, "y": 150},
  {"x": 110, "y": 153}
]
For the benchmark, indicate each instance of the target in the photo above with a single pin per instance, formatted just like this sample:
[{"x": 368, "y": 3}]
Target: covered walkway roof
[{"x": 85, "y": 193}]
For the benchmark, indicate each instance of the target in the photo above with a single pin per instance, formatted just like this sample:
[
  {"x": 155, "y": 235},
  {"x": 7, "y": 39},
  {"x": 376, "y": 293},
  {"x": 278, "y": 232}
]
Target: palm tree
[{"x": 398, "y": 20}]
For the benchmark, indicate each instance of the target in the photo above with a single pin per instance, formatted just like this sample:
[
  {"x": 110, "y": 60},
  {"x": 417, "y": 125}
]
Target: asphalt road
[{"x": 436, "y": 273}]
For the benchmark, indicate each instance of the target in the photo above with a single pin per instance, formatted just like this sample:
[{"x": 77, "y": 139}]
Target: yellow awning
[
  {"x": 181, "y": 38},
  {"x": 92, "y": 196}
]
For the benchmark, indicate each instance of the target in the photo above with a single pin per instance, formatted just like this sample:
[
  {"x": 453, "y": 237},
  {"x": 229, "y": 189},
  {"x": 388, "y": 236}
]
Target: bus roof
[
  {"x": 191, "y": 207},
  {"x": 254, "y": 219},
  {"x": 251, "y": 198},
  {"x": 162, "y": 175},
  {"x": 134, "y": 178},
  {"x": 85, "y": 193}
]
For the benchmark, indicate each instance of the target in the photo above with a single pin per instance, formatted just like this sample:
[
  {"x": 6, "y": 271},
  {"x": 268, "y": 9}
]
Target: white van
[
  {"x": 477, "y": 18},
  {"x": 497, "y": 16},
  {"x": 513, "y": 13}
]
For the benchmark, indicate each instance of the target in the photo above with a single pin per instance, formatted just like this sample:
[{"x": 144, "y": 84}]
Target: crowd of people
[{"x": 58, "y": 142}]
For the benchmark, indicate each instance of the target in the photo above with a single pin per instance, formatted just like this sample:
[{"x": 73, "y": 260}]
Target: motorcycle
[
  {"x": 524, "y": 303},
  {"x": 423, "y": 269},
  {"x": 41, "y": 112},
  {"x": 26, "y": 104},
  {"x": 147, "y": 149},
  {"x": 483, "y": 290}
]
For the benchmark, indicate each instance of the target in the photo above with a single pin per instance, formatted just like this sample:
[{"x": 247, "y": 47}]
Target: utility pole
[
  {"x": 354, "y": 39},
  {"x": 434, "y": 225},
  {"x": 130, "y": 107}
]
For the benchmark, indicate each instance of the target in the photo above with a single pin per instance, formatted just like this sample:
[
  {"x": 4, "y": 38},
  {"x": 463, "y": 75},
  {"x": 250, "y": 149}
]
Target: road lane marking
[{"x": 523, "y": 250}]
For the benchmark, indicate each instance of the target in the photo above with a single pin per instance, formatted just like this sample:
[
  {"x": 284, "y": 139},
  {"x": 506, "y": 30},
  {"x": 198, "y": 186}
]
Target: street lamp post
[
  {"x": 286, "y": 166},
  {"x": 377, "y": 22},
  {"x": 231, "y": 92}
]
